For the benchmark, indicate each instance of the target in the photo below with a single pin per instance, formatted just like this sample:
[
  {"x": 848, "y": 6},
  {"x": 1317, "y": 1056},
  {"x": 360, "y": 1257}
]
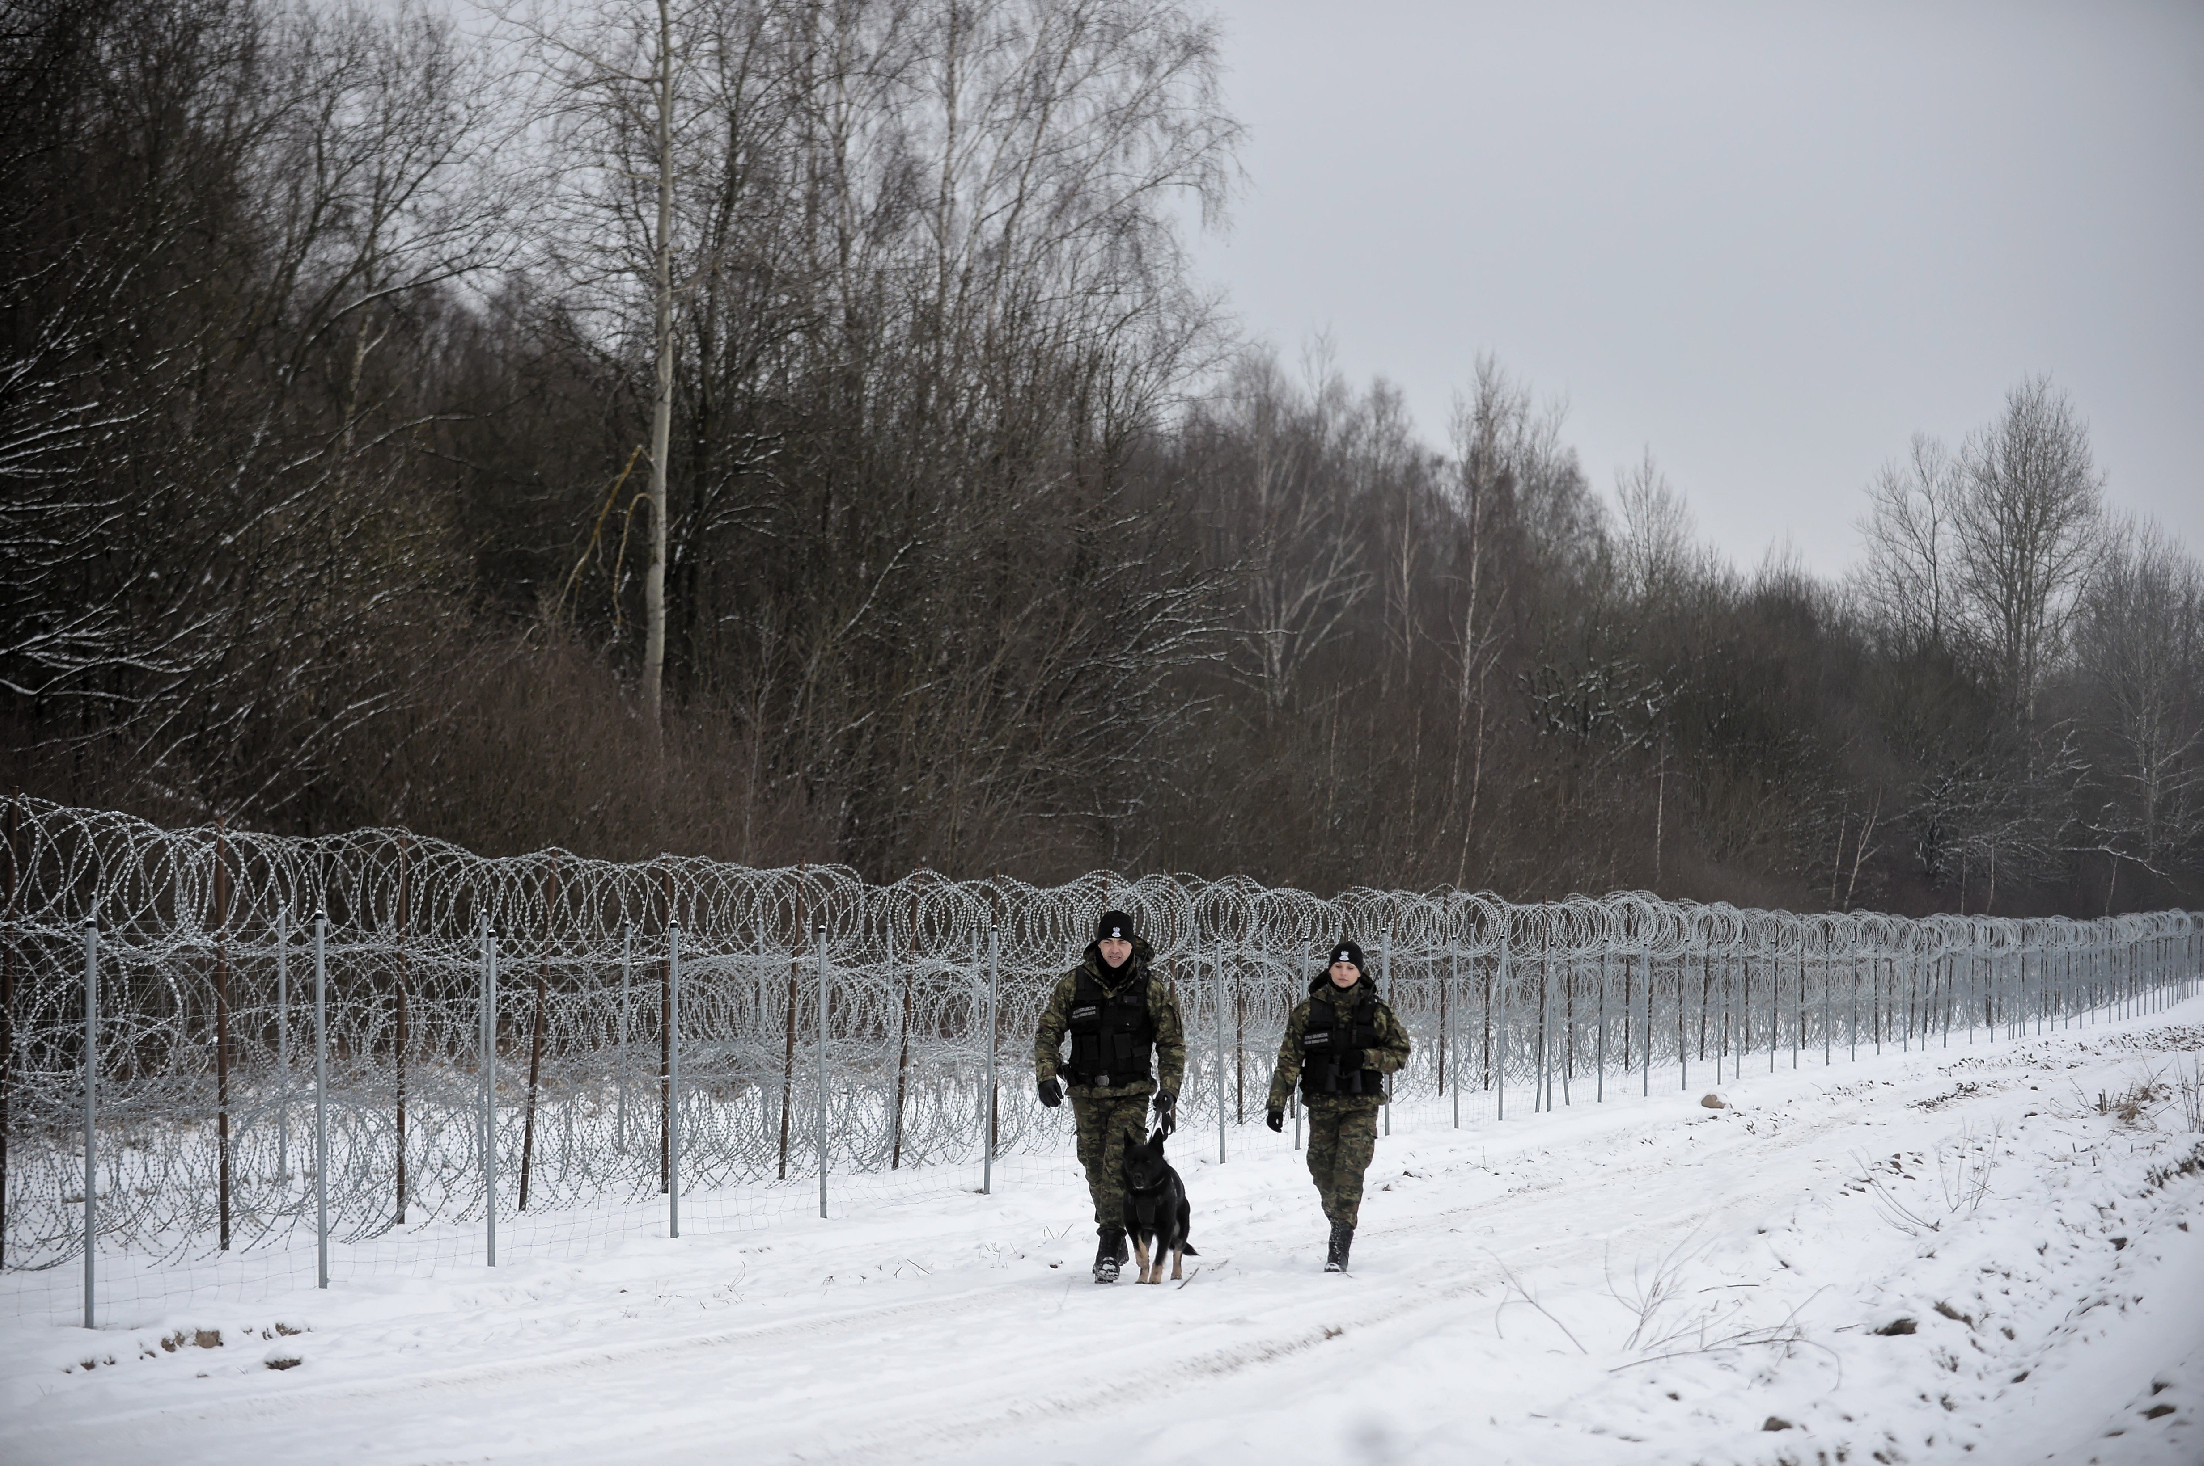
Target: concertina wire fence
[{"x": 547, "y": 1052}]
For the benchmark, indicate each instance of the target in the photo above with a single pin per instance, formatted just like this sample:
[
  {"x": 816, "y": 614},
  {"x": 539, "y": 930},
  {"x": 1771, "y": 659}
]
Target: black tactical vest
[
  {"x": 1112, "y": 1034},
  {"x": 1332, "y": 1047}
]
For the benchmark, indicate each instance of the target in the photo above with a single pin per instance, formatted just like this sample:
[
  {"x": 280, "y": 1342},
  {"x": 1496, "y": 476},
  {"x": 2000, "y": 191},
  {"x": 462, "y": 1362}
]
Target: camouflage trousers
[
  {"x": 1105, "y": 1126},
  {"x": 1341, "y": 1142}
]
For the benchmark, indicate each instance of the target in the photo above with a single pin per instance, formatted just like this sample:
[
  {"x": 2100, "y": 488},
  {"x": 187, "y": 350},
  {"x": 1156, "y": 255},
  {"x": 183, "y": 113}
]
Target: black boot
[
  {"x": 1109, "y": 1254},
  {"x": 1335, "y": 1256}
]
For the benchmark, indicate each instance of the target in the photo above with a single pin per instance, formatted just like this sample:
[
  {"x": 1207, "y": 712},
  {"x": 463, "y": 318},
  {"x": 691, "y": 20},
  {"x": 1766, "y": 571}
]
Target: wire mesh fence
[{"x": 239, "y": 1055}]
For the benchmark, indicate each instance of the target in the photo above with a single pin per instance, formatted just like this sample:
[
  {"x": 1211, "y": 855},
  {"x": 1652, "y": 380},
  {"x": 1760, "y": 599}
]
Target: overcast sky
[{"x": 1768, "y": 241}]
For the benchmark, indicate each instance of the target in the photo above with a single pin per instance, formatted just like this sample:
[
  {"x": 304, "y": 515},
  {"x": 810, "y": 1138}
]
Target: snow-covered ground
[{"x": 1647, "y": 1280}]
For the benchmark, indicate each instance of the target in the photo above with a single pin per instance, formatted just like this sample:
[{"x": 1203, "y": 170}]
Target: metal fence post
[
  {"x": 1798, "y": 1022},
  {"x": 1852, "y": 1005},
  {"x": 321, "y": 1099},
  {"x": 1216, "y": 989},
  {"x": 1683, "y": 1045},
  {"x": 489, "y": 1093},
  {"x": 1500, "y": 1028},
  {"x": 1775, "y": 1004},
  {"x": 1683, "y": 1016},
  {"x": 1293, "y": 1095},
  {"x": 987, "y": 1121},
  {"x": 1385, "y": 975},
  {"x": 620, "y": 1101},
  {"x": 1454, "y": 1012},
  {"x": 1903, "y": 1006},
  {"x": 1542, "y": 1085},
  {"x": 1827, "y": 962},
  {"x": 673, "y": 1079},
  {"x": 1944, "y": 972},
  {"x": 1970, "y": 994},
  {"x": 1713, "y": 1006},
  {"x": 1647, "y": 1085},
  {"x": 91, "y": 1113},
  {"x": 283, "y": 1045},
  {"x": 1599, "y": 1055},
  {"x": 819, "y": 956}
]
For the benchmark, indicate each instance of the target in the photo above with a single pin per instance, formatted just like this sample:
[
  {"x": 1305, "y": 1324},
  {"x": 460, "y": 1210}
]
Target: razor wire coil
[{"x": 204, "y": 1053}]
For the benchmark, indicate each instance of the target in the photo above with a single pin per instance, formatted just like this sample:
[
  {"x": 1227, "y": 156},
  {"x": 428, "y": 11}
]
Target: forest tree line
[{"x": 789, "y": 430}]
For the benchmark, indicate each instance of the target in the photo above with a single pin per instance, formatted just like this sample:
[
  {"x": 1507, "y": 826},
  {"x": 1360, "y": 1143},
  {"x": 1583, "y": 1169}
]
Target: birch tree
[
  {"x": 618, "y": 104},
  {"x": 2026, "y": 531}
]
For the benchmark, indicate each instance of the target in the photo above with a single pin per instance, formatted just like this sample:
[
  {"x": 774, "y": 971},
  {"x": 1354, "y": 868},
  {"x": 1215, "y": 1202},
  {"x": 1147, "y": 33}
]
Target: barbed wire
[{"x": 806, "y": 989}]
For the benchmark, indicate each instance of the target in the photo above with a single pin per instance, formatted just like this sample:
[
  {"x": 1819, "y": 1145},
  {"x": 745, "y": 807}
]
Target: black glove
[
  {"x": 1052, "y": 1093},
  {"x": 1276, "y": 1120},
  {"x": 1167, "y": 1111}
]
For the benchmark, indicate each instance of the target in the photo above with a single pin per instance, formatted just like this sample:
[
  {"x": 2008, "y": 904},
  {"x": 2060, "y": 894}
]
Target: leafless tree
[
  {"x": 2139, "y": 658},
  {"x": 1285, "y": 523},
  {"x": 1655, "y": 545},
  {"x": 1907, "y": 581},
  {"x": 1512, "y": 478},
  {"x": 617, "y": 100},
  {"x": 280, "y": 196},
  {"x": 2026, "y": 532}
]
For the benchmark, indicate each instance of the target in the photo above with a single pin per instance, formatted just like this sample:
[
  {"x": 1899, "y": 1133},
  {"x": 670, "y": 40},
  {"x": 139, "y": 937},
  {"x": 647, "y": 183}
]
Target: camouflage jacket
[
  {"x": 1163, "y": 1011},
  {"x": 1387, "y": 1058}
]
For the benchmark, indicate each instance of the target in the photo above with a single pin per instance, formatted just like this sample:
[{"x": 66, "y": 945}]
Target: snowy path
[{"x": 1485, "y": 1316}]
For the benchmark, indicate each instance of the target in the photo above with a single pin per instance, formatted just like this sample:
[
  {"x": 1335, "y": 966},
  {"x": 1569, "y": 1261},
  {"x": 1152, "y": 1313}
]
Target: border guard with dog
[
  {"x": 1340, "y": 1043},
  {"x": 1126, "y": 1044}
]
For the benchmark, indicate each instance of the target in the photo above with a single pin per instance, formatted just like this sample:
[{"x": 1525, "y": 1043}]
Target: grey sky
[{"x": 1769, "y": 241}]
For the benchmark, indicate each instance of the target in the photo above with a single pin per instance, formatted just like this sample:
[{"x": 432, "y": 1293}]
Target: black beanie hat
[
  {"x": 1114, "y": 924},
  {"x": 1344, "y": 950}
]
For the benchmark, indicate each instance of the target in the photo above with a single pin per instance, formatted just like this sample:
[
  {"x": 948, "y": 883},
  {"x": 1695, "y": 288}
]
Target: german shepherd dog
[{"x": 1156, "y": 1211}]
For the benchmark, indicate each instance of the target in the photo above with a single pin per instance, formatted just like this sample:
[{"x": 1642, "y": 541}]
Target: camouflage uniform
[
  {"x": 1105, "y": 1127},
  {"x": 1342, "y": 1128},
  {"x": 1106, "y": 1118}
]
